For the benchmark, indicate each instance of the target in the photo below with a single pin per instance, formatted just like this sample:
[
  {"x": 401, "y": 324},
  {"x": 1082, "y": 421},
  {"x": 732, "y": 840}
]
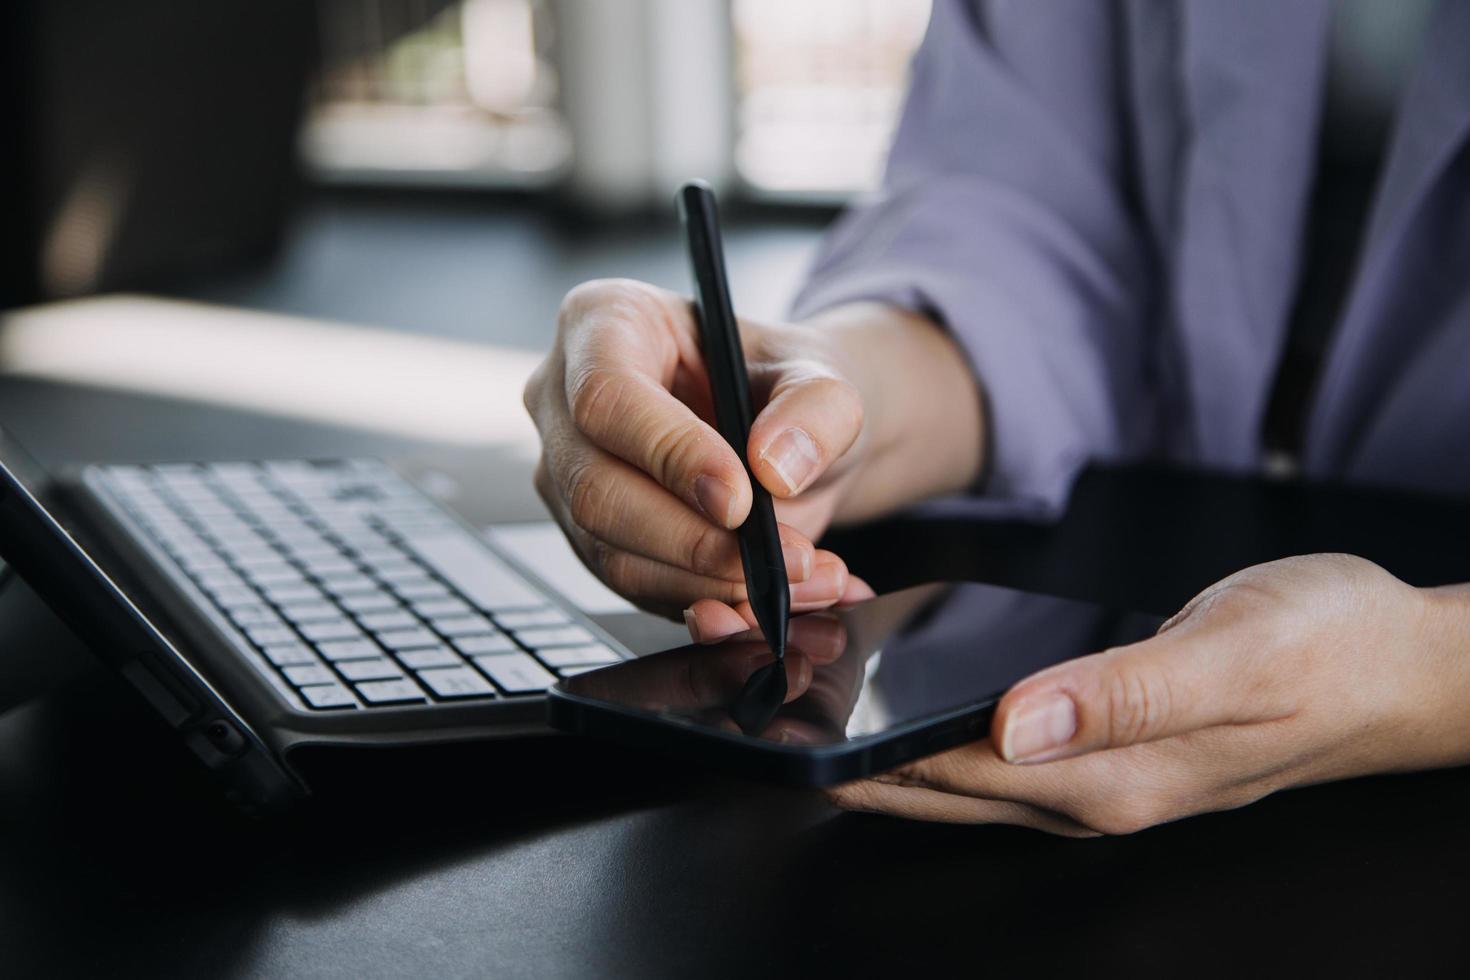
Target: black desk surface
[{"x": 563, "y": 858}]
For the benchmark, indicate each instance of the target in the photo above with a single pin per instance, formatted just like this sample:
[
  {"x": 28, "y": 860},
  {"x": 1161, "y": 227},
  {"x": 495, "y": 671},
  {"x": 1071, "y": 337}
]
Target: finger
[
  {"x": 857, "y": 591},
  {"x": 634, "y": 576},
  {"x": 710, "y": 621},
  {"x": 623, "y": 507},
  {"x": 920, "y": 803},
  {"x": 1197, "y": 674},
  {"x": 829, "y": 582},
  {"x": 643, "y": 578},
  {"x": 810, "y": 421},
  {"x": 621, "y": 350}
]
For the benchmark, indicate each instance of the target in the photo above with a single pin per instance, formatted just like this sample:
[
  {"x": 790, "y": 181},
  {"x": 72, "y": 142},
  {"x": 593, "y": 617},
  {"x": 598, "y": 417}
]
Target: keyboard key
[
  {"x": 218, "y": 580},
  {"x": 309, "y": 674},
  {"x": 516, "y": 673},
  {"x": 201, "y": 561},
  {"x": 440, "y": 656},
  {"x": 299, "y": 592},
  {"x": 590, "y": 654},
  {"x": 327, "y": 696},
  {"x": 574, "y": 671},
  {"x": 369, "y": 670},
  {"x": 532, "y": 617},
  {"x": 456, "y": 682},
  {"x": 363, "y": 602},
  {"x": 268, "y": 635},
  {"x": 407, "y": 639},
  {"x": 332, "y": 629},
  {"x": 561, "y": 636},
  {"x": 470, "y": 645},
  {"x": 393, "y": 620},
  {"x": 250, "y": 557},
  {"x": 345, "y": 585},
  {"x": 265, "y": 567},
  {"x": 289, "y": 654},
  {"x": 463, "y": 625},
  {"x": 286, "y": 576},
  {"x": 386, "y": 692},
  {"x": 375, "y": 555},
  {"x": 430, "y": 608},
  {"x": 308, "y": 612},
  {"x": 226, "y": 598},
  {"x": 395, "y": 569},
  {"x": 473, "y": 569},
  {"x": 328, "y": 566},
  {"x": 349, "y": 650},
  {"x": 253, "y": 614},
  {"x": 423, "y": 588}
]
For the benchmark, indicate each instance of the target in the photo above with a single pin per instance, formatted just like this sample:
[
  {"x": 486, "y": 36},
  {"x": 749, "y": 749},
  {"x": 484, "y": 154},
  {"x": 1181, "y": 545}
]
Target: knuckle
[
  {"x": 615, "y": 295},
  {"x": 1138, "y": 704},
  {"x": 596, "y": 395},
  {"x": 1126, "y": 811},
  {"x": 587, "y": 498},
  {"x": 620, "y": 570},
  {"x": 710, "y": 554},
  {"x": 672, "y": 449},
  {"x": 600, "y": 556},
  {"x": 842, "y": 394},
  {"x": 1123, "y": 819}
]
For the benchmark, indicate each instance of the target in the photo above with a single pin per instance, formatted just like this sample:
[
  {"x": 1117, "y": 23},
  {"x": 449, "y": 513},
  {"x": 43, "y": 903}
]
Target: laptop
[{"x": 263, "y": 607}]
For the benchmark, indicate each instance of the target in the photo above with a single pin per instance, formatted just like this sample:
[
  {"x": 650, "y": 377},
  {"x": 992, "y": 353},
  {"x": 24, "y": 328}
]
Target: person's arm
[{"x": 1006, "y": 215}]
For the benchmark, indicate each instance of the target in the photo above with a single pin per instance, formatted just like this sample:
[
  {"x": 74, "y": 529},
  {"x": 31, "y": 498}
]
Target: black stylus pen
[{"x": 760, "y": 540}]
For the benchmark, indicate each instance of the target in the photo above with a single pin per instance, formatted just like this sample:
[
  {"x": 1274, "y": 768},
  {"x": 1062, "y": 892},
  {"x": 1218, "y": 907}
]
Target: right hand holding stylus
[{"x": 641, "y": 482}]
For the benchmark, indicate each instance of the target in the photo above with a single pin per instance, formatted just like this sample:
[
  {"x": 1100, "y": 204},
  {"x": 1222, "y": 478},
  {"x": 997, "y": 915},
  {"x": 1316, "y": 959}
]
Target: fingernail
[
  {"x": 716, "y": 498},
  {"x": 1037, "y": 730},
  {"x": 794, "y": 457},
  {"x": 691, "y": 624},
  {"x": 824, "y": 584}
]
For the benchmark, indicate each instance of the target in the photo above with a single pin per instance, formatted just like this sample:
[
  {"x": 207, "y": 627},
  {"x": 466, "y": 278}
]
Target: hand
[
  {"x": 1299, "y": 671},
  {"x": 648, "y": 491}
]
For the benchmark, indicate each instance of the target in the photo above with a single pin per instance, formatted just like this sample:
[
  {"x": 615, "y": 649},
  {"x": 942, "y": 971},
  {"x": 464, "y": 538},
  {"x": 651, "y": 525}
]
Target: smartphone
[{"x": 862, "y": 689}]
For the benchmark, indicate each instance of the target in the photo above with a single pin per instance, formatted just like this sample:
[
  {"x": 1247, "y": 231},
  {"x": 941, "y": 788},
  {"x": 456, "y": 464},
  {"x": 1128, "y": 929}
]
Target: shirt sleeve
[{"x": 1004, "y": 216}]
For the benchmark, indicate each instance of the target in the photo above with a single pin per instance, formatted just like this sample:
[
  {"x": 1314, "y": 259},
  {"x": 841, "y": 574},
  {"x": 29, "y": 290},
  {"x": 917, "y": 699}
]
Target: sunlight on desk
[{"x": 421, "y": 387}]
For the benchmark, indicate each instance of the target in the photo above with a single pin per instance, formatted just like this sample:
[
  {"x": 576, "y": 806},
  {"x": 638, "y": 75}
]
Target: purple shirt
[{"x": 1104, "y": 203}]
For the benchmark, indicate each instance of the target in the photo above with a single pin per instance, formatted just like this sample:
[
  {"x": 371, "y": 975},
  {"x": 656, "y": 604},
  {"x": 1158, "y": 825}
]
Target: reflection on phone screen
[{"x": 867, "y": 669}]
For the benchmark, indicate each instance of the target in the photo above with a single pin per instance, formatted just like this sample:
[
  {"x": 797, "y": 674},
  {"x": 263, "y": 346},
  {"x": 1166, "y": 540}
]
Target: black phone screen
[{"x": 852, "y": 677}]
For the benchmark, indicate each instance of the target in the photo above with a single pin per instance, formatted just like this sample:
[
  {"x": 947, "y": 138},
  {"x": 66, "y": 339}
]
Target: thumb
[
  {"x": 1182, "y": 680},
  {"x": 809, "y": 422}
]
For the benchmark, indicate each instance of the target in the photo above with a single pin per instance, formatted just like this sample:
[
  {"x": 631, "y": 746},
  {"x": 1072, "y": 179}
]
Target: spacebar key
[{"x": 472, "y": 569}]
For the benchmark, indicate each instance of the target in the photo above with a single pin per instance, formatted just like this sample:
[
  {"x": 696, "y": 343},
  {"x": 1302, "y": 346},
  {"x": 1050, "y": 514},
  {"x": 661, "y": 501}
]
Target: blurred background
[{"x": 445, "y": 167}]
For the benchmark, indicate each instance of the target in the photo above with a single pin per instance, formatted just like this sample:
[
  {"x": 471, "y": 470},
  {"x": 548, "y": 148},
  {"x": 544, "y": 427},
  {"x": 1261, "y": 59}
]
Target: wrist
[
  {"x": 1437, "y": 711},
  {"x": 922, "y": 406}
]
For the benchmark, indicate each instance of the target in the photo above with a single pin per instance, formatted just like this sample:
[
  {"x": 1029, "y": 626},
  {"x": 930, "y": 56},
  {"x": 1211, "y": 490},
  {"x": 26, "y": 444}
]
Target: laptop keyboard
[{"x": 359, "y": 590}]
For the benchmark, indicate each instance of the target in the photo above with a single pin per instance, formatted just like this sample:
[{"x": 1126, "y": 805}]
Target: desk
[{"x": 565, "y": 858}]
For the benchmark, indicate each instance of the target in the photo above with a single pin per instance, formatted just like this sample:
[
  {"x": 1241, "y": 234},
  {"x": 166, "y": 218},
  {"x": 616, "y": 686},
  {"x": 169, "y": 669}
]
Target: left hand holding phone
[{"x": 1299, "y": 671}]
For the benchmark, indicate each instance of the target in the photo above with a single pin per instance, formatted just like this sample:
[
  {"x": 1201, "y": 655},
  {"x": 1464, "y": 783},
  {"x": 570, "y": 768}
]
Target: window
[
  {"x": 818, "y": 88},
  {"x": 468, "y": 93},
  {"x": 416, "y": 91}
]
